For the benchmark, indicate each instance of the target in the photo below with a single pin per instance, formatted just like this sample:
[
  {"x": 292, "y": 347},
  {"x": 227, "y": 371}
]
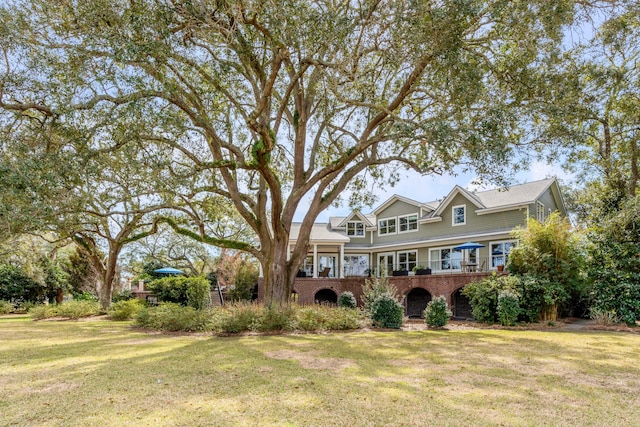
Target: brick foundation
[{"x": 436, "y": 285}]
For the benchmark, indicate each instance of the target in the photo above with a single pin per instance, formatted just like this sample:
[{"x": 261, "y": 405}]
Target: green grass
[{"x": 81, "y": 373}]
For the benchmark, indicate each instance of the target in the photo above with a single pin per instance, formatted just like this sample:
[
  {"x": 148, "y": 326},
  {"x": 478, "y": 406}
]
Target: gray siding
[
  {"x": 474, "y": 223},
  {"x": 395, "y": 210}
]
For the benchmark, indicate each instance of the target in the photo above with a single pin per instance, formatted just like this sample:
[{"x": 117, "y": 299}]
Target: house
[{"x": 402, "y": 236}]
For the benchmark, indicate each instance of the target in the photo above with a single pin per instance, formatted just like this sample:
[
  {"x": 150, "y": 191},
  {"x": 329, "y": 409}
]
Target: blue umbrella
[
  {"x": 469, "y": 245},
  {"x": 168, "y": 270}
]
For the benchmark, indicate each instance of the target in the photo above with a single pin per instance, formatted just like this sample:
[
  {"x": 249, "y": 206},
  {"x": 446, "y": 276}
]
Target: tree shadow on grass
[{"x": 108, "y": 374}]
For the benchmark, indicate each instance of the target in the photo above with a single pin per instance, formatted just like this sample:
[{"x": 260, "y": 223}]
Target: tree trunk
[
  {"x": 278, "y": 280},
  {"x": 106, "y": 292}
]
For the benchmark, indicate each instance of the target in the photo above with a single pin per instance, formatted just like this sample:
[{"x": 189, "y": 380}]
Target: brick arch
[
  {"x": 416, "y": 300},
  {"x": 460, "y": 305},
  {"x": 326, "y": 296}
]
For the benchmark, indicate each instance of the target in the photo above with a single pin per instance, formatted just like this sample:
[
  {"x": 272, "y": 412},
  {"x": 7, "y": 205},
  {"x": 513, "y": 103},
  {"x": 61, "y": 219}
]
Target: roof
[
  {"x": 515, "y": 195},
  {"x": 394, "y": 199},
  {"x": 340, "y": 221},
  {"x": 320, "y": 233},
  {"x": 486, "y": 201}
]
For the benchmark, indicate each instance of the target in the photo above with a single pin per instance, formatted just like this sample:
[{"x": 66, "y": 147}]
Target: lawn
[{"x": 83, "y": 373}]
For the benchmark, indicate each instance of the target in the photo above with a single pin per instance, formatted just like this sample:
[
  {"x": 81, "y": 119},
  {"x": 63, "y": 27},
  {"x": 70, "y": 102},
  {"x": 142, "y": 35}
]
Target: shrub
[
  {"x": 617, "y": 292},
  {"x": 310, "y": 318},
  {"x": 604, "y": 317},
  {"x": 84, "y": 296},
  {"x": 43, "y": 311},
  {"x": 274, "y": 319},
  {"x": 188, "y": 291},
  {"x": 123, "y": 295},
  {"x": 344, "y": 318},
  {"x": 375, "y": 287},
  {"x": 554, "y": 254},
  {"x": 483, "y": 296},
  {"x": 244, "y": 317},
  {"x": 24, "y": 307},
  {"x": 68, "y": 309},
  {"x": 346, "y": 299},
  {"x": 244, "y": 282},
  {"x": 235, "y": 318},
  {"x": 6, "y": 307},
  {"x": 77, "y": 309},
  {"x": 322, "y": 317},
  {"x": 198, "y": 292},
  {"x": 387, "y": 312},
  {"x": 125, "y": 309},
  {"x": 437, "y": 314},
  {"x": 174, "y": 317},
  {"x": 508, "y": 308}
]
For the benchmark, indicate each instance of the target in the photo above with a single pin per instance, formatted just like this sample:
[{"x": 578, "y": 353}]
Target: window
[
  {"x": 407, "y": 260},
  {"x": 500, "y": 252},
  {"x": 445, "y": 259},
  {"x": 459, "y": 216},
  {"x": 355, "y": 228},
  {"x": 356, "y": 265},
  {"x": 540, "y": 212},
  {"x": 407, "y": 223},
  {"x": 387, "y": 226},
  {"x": 307, "y": 266}
]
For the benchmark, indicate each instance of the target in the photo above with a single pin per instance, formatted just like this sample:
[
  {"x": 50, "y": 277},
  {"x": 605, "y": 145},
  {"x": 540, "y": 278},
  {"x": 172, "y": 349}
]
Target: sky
[{"x": 429, "y": 188}]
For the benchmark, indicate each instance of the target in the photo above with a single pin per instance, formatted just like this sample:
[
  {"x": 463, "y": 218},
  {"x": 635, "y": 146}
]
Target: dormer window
[
  {"x": 387, "y": 226},
  {"x": 407, "y": 223},
  {"x": 459, "y": 215},
  {"x": 355, "y": 229}
]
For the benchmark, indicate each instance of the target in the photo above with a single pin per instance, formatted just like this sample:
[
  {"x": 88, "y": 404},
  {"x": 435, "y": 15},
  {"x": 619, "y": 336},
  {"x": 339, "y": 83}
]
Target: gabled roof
[
  {"x": 486, "y": 202},
  {"x": 457, "y": 190},
  {"x": 396, "y": 198},
  {"x": 366, "y": 220}
]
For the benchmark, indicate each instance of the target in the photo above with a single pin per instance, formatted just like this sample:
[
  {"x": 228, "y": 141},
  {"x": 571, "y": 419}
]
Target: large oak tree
[{"x": 276, "y": 103}]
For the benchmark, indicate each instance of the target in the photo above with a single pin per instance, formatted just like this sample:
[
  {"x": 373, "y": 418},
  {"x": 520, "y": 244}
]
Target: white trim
[
  {"x": 315, "y": 261},
  {"x": 540, "y": 211},
  {"x": 497, "y": 242},
  {"x": 453, "y": 240},
  {"x": 358, "y": 214},
  {"x": 502, "y": 209},
  {"x": 453, "y": 215},
  {"x": 406, "y": 216},
  {"x": 385, "y": 254},
  {"x": 366, "y": 255},
  {"x": 429, "y": 220},
  {"x": 355, "y": 229},
  {"x": 394, "y": 199},
  {"x": 440, "y": 248},
  {"x": 395, "y": 218},
  {"x": 415, "y": 251},
  {"x": 457, "y": 190}
]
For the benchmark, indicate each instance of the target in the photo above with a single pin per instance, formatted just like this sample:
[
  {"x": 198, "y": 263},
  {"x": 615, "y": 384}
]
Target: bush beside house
[{"x": 187, "y": 291}]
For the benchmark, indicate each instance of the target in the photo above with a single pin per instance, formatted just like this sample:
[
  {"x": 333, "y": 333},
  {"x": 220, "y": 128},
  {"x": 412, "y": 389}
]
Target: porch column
[
  {"x": 341, "y": 261},
  {"x": 288, "y": 251},
  {"x": 315, "y": 261},
  {"x": 260, "y": 273}
]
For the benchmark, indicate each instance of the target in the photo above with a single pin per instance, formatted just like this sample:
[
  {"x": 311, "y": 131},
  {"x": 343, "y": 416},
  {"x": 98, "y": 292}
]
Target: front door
[{"x": 385, "y": 264}]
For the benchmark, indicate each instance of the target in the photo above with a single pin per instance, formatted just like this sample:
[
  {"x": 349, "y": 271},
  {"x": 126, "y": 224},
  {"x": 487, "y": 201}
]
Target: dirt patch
[
  {"x": 54, "y": 388},
  {"x": 311, "y": 360}
]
